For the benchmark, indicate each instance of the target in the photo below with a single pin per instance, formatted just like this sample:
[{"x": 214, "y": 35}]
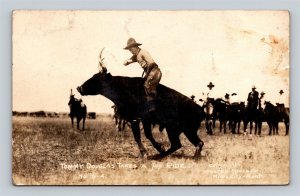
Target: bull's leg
[
  {"x": 137, "y": 136},
  {"x": 195, "y": 140},
  {"x": 173, "y": 135},
  {"x": 149, "y": 136}
]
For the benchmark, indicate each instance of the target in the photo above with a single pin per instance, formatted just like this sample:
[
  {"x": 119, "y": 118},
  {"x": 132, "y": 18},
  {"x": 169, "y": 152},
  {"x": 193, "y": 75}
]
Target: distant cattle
[
  {"x": 38, "y": 114},
  {"x": 52, "y": 114},
  {"x": 92, "y": 115},
  {"x": 15, "y": 113}
]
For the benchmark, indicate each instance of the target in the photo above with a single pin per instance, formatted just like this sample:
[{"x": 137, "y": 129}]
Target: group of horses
[{"x": 231, "y": 116}]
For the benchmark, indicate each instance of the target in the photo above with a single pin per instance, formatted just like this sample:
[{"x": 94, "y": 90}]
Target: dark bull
[{"x": 176, "y": 112}]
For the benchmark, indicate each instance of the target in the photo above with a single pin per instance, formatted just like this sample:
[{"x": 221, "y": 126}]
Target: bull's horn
[{"x": 101, "y": 67}]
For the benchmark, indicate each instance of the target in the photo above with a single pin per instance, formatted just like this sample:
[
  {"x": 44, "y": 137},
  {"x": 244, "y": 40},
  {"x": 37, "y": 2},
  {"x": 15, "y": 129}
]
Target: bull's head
[{"x": 97, "y": 84}]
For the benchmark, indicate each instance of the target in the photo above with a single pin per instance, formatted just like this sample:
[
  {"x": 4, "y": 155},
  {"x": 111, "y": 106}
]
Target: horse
[
  {"x": 78, "y": 110},
  {"x": 251, "y": 113},
  {"x": 208, "y": 109},
  {"x": 175, "y": 111},
  {"x": 284, "y": 116},
  {"x": 272, "y": 117},
  {"x": 221, "y": 111},
  {"x": 236, "y": 113},
  {"x": 119, "y": 121},
  {"x": 260, "y": 118}
]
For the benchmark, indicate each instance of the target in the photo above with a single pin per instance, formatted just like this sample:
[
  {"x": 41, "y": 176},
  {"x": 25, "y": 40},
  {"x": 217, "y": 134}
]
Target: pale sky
[{"x": 54, "y": 51}]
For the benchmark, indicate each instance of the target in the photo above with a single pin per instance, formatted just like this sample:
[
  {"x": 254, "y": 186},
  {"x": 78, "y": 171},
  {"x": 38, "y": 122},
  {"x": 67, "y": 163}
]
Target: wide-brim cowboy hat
[
  {"x": 210, "y": 85},
  {"x": 281, "y": 92},
  {"x": 131, "y": 43},
  {"x": 262, "y": 93},
  {"x": 193, "y": 96},
  {"x": 253, "y": 87}
]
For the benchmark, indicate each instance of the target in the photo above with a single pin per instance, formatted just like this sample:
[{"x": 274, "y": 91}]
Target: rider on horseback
[
  {"x": 280, "y": 102},
  {"x": 209, "y": 108},
  {"x": 253, "y": 98},
  {"x": 210, "y": 93},
  {"x": 226, "y": 100},
  {"x": 262, "y": 100},
  {"x": 151, "y": 71},
  {"x": 234, "y": 99}
]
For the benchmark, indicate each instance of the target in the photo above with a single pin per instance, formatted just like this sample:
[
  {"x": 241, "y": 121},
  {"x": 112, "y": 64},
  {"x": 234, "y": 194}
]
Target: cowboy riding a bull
[{"x": 164, "y": 106}]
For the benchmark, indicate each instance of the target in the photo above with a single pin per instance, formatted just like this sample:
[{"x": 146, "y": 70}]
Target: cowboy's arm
[{"x": 131, "y": 60}]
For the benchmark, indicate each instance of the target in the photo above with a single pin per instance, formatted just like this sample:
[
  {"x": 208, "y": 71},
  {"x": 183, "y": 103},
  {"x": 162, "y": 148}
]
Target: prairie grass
[{"x": 48, "y": 151}]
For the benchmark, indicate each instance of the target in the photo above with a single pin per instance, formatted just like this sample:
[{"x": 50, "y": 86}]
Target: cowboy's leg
[{"x": 150, "y": 87}]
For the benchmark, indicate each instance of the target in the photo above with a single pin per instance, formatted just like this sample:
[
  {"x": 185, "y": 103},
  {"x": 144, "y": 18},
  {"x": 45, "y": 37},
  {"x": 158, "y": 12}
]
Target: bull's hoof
[
  {"x": 161, "y": 150},
  {"x": 197, "y": 154},
  {"x": 198, "y": 151},
  {"x": 158, "y": 156},
  {"x": 143, "y": 156}
]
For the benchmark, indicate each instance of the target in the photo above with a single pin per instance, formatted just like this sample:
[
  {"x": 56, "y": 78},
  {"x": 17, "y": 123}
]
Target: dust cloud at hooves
[{"x": 55, "y": 51}]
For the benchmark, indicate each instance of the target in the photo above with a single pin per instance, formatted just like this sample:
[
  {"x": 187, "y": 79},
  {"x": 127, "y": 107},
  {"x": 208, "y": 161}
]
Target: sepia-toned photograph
[{"x": 185, "y": 97}]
